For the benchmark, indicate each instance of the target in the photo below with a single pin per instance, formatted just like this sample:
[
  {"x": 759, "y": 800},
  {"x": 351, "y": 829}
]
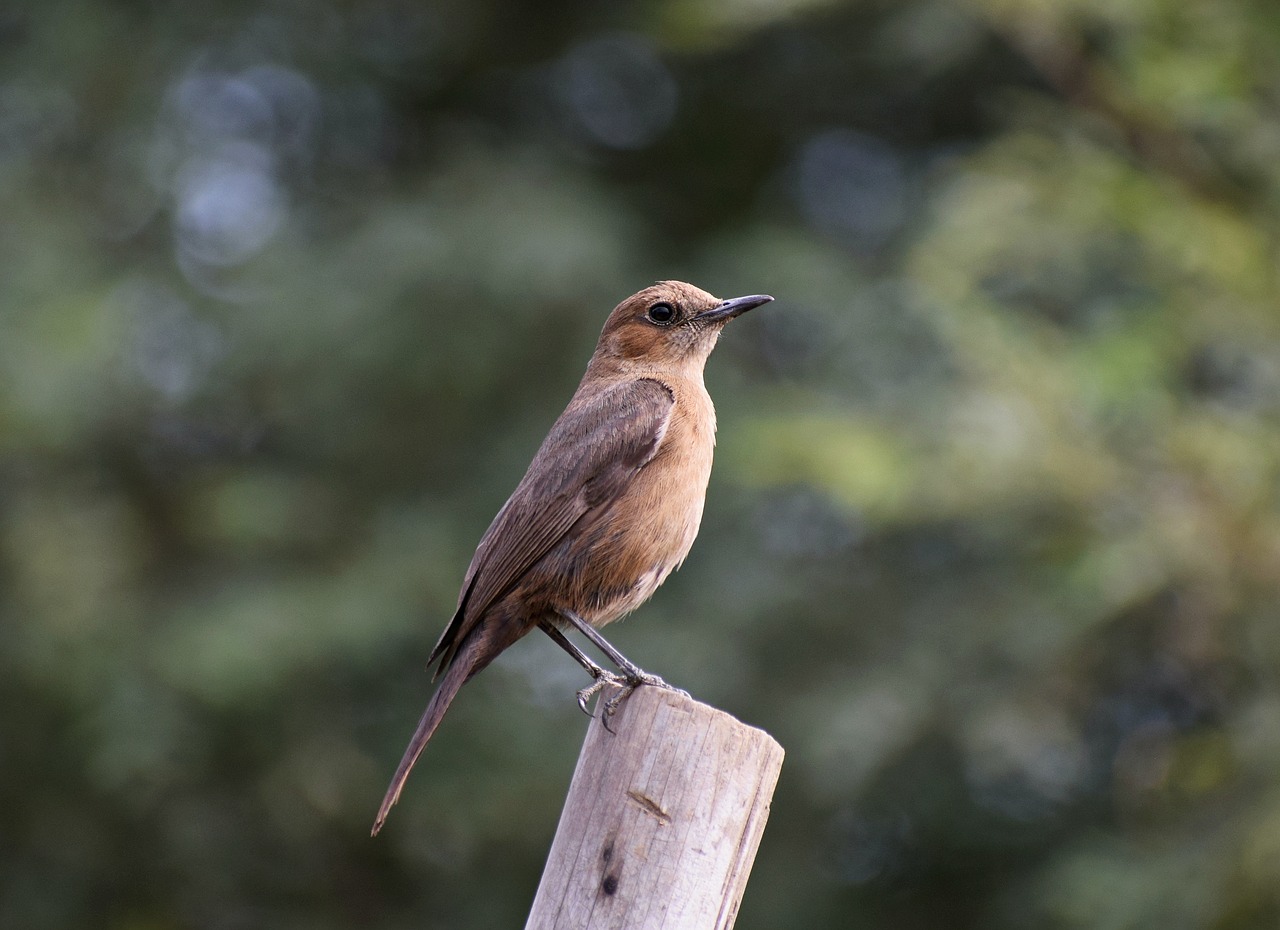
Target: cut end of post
[{"x": 644, "y": 702}]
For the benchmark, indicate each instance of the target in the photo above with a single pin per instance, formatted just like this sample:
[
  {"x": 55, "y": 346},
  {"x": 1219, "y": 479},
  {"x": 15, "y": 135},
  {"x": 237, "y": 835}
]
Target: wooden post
[{"x": 662, "y": 821}]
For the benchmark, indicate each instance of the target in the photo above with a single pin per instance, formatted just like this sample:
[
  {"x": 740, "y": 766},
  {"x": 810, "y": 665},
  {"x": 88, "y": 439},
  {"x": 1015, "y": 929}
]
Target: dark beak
[{"x": 731, "y": 308}]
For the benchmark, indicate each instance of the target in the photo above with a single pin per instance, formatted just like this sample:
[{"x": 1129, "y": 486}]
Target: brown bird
[{"x": 608, "y": 508}]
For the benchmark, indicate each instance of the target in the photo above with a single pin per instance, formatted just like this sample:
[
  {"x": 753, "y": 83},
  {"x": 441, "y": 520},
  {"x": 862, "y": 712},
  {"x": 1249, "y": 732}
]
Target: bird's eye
[{"x": 662, "y": 313}]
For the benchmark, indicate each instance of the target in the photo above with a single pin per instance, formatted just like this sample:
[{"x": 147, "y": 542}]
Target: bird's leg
[
  {"x": 600, "y": 676},
  {"x": 625, "y": 665},
  {"x": 575, "y": 653},
  {"x": 633, "y": 675}
]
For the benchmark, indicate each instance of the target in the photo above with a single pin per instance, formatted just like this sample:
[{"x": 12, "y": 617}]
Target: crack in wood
[{"x": 649, "y": 806}]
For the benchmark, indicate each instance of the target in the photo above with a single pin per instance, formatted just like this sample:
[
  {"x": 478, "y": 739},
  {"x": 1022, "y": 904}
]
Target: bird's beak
[{"x": 731, "y": 308}]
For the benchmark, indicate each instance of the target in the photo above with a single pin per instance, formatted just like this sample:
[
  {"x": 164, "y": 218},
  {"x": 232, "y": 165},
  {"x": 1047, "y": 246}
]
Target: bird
[{"x": 608, "y": 508}]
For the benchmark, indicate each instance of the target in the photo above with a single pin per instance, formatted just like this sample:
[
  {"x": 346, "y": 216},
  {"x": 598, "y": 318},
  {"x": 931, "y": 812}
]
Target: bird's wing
[{"x": 584, "y": 464}]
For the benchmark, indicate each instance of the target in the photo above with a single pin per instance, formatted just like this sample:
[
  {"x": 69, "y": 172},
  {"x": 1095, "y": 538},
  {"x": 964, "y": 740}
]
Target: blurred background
[{"x": 291, "y": 291}]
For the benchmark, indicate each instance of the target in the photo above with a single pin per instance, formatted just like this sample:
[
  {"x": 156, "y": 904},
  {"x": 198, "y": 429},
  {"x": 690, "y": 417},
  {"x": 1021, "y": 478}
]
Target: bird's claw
[
  {"x": 630, "y": 683},
  {"x": 625, "y": 684},
  {"x": 602, "y": 678}
]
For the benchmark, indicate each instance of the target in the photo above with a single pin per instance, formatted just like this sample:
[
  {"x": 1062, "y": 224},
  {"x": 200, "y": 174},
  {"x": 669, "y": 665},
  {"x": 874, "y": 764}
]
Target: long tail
[{"x": 453, "y": 679}]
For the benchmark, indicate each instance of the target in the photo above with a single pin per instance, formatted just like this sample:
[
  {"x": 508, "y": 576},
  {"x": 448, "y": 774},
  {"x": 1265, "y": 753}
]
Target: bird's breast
[{"x": 654, "y": 523}]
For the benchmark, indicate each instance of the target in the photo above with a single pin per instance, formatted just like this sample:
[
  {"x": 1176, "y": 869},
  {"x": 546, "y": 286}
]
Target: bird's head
[{"x": 671, "y": 324}]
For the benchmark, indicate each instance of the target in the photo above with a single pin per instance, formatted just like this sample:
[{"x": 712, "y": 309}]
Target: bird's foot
[
  {"x": 602, "y": 678},
  {"x": 632, "y": 676},
  {"x": 634, "y": 679}
]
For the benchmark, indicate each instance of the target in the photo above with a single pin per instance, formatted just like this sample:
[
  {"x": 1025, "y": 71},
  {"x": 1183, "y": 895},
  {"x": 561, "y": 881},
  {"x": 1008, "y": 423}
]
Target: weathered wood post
[{"x": 662, "y": 822}]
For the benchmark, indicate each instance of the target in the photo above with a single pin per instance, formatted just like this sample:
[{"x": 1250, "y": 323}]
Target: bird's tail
[{"x": 453, "y": 679}]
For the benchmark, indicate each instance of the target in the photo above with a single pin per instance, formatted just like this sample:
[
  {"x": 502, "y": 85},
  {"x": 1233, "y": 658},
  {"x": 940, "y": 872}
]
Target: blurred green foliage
[{"x": 291, "y": 292}]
